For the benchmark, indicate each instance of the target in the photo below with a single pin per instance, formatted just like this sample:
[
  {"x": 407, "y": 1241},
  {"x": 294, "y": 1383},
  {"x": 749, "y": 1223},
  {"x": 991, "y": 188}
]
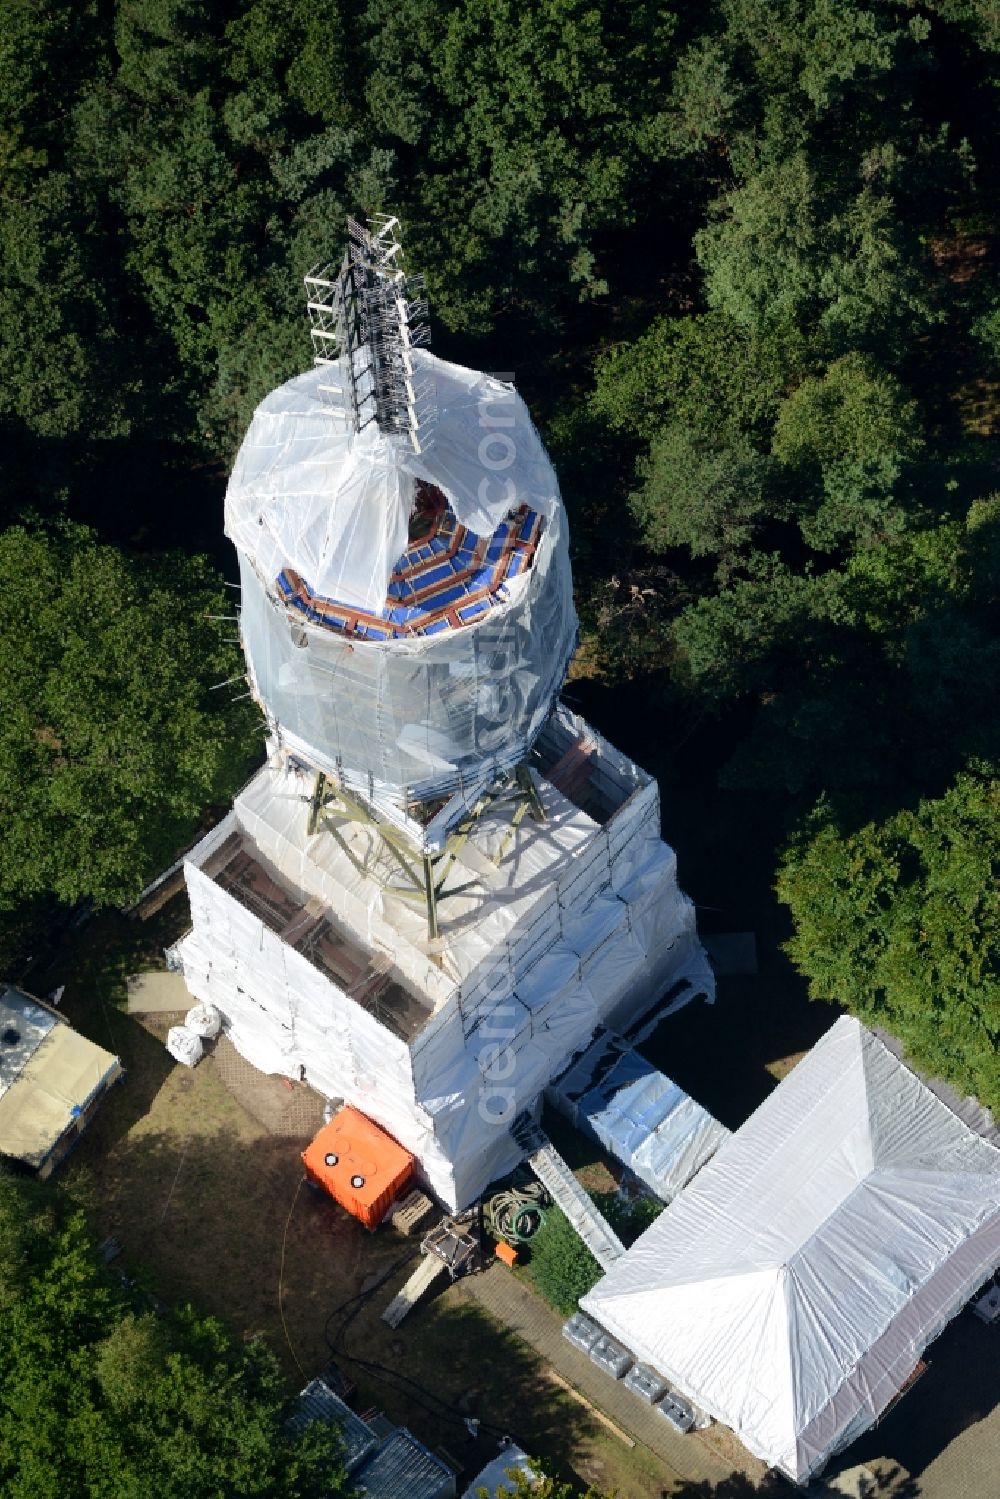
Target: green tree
[
  {"x": 781, "y": 255},
  {"x": 899, "y": 921},
  {"x": 844, "y": 438},
  {"x": 707, "y": 496},
  {"x": 527, "y": 131},
  {"x": 706, "y": 371},
  {"x": 517, "y": 1486},
  {"x": 111, "y": 741},
  {"x": 97, "y": 1397},
  {"x": 835, "y": 661},
  {"x": 64, "y": 367}
]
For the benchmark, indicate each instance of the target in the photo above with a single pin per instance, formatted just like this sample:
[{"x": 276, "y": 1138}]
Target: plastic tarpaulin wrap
[
  {"x": 791, "y": 1288},
  {"x": 56, "y": 1082},
  {"x": 309, "y": 493},
  {"x": 637, "y": 1114},
  {"x": 535, "y": 950},
  {"x": 421, "y": 715}
]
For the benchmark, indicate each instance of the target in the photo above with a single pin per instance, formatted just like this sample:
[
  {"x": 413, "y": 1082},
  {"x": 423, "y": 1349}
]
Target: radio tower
[{"x": 443, "y": 880}]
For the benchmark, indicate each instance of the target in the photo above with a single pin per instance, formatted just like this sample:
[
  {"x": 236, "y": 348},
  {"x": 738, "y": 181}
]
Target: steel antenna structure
[{"x": 367, "y": 319}]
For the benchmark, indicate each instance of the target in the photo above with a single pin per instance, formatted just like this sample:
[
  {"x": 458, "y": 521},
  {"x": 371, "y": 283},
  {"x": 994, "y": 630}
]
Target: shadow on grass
[
  {"x": 729, "y": 1055},
  {"x": 227, "y": 1224}
]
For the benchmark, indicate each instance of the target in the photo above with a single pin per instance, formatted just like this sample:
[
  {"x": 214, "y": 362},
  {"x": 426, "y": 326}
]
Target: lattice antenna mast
[{"x": 367, "y": 319}]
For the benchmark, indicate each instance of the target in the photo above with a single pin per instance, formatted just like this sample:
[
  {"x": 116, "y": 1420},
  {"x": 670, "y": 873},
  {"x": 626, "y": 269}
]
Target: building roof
[
  {"x": 48, "y": 1075},
  {"x": 791, "y": 1289},
  {"x": 497, "y": 1472},
  {"x": 402, "y": 1468},
  {"x": 317, "y": 1402},
  {"x": 637, "y": 1114},
  {"x": 24, "y": 1024}
]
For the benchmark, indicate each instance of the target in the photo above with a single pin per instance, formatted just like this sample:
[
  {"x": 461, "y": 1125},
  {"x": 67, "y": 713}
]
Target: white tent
[{"x": 791, "y": 1289}]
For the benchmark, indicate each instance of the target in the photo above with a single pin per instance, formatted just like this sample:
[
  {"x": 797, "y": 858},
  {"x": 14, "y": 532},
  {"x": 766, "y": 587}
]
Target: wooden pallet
[{"x": 411, "y": 1213}]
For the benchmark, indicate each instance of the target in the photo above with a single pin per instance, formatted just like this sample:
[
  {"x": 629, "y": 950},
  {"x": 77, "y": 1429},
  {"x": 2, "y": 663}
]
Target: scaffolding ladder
[
  {"x": 446, "y": 1247},
  {"x": 564, "y": 1189}
]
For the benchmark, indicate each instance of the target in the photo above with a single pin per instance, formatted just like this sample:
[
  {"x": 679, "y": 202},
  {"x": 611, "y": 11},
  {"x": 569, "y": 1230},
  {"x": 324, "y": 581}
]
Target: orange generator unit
[{"x": 359, "y": 1164}]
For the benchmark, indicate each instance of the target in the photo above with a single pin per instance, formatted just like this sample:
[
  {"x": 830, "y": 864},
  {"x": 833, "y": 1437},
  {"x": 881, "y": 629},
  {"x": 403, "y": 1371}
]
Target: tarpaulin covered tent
[{"x": 791, "y": 1289}]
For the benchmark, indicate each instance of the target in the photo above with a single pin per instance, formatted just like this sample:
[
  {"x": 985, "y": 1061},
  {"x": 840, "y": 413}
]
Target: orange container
[
  {"x": 506, "y": 1252},
  {"x": 362, "y": 1167}
]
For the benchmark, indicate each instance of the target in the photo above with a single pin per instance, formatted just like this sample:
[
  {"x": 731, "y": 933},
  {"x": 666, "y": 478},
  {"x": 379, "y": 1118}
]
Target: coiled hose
[{"x": 516, "y": 1215}]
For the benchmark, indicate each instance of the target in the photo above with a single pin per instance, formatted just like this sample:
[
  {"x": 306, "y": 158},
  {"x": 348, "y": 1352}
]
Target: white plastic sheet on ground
[
  {"x": 792, "y": 1287},
  {"x": 533, "y": 957}
]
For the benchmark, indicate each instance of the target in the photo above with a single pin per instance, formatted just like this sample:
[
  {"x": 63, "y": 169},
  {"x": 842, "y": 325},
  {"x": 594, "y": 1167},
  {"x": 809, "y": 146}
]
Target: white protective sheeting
[
  {"x": 495, "y": 1477},
  {"x": 532, "y": 957},
  {"x": 309, "y": 493},
  {"x": 184, "y": 1045},
  {"x": 791, "y": 1289},
  {"x": 204, "y": 1021},
  {"x": 425, "y": 714},
  {"x": 636, "y": 1114},
  {"x": 411, "y": 717}
]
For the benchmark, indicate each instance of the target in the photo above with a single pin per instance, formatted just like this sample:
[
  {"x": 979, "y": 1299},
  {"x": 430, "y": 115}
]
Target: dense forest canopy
[{"x": 743, "y": 259}]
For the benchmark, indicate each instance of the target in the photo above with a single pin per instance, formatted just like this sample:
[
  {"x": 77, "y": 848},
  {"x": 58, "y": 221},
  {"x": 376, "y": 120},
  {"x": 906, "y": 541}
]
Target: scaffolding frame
[{"x": 421, "y": 874}]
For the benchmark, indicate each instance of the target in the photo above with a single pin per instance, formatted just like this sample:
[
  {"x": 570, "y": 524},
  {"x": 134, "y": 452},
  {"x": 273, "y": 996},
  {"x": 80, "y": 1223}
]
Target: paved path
[
  {"x": 282, "y": 1107},
  {"x": 158, "y": 993},
  {"x": 518, "y": 1308}
]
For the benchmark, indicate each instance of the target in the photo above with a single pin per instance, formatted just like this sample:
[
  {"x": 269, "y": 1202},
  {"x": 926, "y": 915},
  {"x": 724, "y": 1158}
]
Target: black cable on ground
[{"x": 393, "y": 1378}]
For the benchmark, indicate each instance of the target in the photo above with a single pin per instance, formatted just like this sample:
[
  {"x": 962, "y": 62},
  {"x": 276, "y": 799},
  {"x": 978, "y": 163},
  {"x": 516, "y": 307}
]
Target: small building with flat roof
[
  {"x": 52, "y": 1080},
  {"x": 404, "y": 1468},
  {"x": 318, "y": 1402},
  {"x": 383, "y": 1461}
]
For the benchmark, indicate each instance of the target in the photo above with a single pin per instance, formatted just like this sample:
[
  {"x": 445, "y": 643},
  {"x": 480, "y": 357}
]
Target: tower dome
[{"x": 407, "y": 610}]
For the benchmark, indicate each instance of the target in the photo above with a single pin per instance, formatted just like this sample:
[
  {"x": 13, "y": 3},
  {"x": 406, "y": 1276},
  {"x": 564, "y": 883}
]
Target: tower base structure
[{"x": 323, "y": 969}]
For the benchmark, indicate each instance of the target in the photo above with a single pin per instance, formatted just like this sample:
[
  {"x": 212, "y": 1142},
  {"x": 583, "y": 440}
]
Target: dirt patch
[
  {"x": 782, "y": 1066},
  {"x": 279, "y": 1105}
]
